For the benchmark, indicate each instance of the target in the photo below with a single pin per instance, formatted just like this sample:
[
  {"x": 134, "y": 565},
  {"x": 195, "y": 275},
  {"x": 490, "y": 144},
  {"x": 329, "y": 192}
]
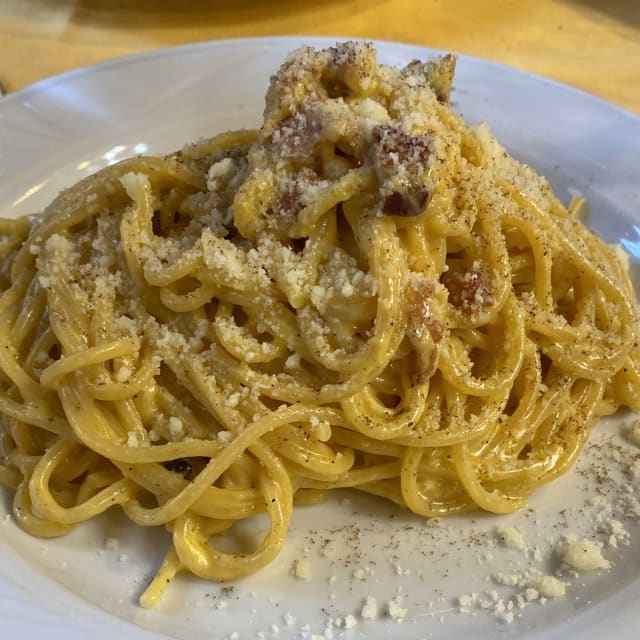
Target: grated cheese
[
  {"x": 302, "y": 570},
  {"x": 583, "y": 555},
  {"x": 370, "y": 608}
]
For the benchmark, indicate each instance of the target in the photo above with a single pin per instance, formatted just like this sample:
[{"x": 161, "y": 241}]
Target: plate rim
[{"x": 43, "y": 84}]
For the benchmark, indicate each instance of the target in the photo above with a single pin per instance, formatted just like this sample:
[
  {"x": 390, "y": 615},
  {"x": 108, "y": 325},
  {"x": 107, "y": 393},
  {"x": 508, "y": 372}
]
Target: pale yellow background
[{"x": 591, "y": 44}]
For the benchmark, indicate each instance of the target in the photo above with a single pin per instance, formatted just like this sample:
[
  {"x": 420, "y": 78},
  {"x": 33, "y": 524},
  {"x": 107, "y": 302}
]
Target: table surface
[{"x": 590, "y": 44}]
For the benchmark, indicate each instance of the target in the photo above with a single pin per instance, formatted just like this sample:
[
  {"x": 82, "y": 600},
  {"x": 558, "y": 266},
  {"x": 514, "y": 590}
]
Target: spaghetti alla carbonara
[{"x": 363, "y": 293}]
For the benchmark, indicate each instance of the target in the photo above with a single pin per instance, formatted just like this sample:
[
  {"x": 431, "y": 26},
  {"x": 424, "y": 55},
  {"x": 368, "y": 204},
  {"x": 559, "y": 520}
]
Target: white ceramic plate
[{"x": 59, "y": 130}]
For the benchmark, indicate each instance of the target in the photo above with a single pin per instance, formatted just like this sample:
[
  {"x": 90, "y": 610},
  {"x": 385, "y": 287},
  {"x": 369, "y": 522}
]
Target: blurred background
[{"x": 590, "y": 44}]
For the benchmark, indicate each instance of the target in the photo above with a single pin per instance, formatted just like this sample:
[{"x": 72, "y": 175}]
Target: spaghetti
[{"x": 364, "y": 293}]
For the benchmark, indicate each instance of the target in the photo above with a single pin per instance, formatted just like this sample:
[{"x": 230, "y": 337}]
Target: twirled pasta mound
[{"x": 363, "y": 293}]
